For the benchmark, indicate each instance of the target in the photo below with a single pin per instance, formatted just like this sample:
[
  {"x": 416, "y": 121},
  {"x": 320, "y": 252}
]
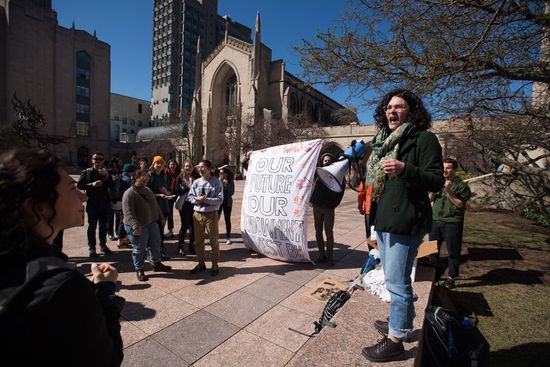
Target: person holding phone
[{"x": 96, "y": 181}]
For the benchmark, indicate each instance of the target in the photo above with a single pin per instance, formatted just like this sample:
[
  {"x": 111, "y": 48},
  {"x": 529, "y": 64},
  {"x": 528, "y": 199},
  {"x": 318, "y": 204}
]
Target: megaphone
[{"x": 333, "y": 175}]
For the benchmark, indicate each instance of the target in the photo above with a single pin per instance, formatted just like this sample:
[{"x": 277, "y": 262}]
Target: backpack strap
[{"x": 37, "y": 271}]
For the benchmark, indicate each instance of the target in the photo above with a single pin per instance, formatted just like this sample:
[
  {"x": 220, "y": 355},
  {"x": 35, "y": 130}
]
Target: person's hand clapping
[{"x": 103, "y": 273}]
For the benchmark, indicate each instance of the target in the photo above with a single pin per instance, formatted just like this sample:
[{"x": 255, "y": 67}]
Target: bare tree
[
  {"x": 28, "y": 129},
  {"x": 344, "y": 116},
  {"x": 484, "y": 62}
]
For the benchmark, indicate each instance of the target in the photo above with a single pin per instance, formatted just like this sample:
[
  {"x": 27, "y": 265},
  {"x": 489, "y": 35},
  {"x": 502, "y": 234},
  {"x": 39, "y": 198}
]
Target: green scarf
[{"x": 385, "y": 145}]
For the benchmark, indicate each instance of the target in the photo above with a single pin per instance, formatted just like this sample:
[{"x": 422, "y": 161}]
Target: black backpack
[
  {"x": 119, "y": 186},
  {"x": 451, "y": 340},
  {"x": 335, "y": 302}
]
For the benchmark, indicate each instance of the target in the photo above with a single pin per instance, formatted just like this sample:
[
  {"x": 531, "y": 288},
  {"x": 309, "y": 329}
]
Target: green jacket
[
  {"x": 444, "y": 210},
  {"x": 404, "y": 206}
]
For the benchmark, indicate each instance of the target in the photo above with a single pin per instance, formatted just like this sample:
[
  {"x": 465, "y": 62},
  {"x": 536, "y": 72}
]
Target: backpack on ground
[
  {"x": 334, "y": 304},
  {"x": 451, "y": 340}
]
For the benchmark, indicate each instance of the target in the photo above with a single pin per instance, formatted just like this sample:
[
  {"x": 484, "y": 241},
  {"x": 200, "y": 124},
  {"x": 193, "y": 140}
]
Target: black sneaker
[
  {"x": 198, "y": 269},
  {"x": 161, "y": 267},
  {"x": 163, "y": 257},
  {"x": 141, "y": 275},
  {"x": 215, "y": 271},
  {"x": 93, "y": 254},
  {"x": 385, "y": 351},
  {"x": 449, "y": 283},
  {"x": 106, "y": 251},
  {"x": 382, "y": 327}
]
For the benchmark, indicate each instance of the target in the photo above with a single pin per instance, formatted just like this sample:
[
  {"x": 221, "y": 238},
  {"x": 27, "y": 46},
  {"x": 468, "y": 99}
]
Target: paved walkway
[{"x": 240, "y": 317}]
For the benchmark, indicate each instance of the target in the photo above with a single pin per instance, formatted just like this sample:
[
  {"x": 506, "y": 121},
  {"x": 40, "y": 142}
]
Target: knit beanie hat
[
  {"x": 128, "y": 167},
  {"x": 157, "y": 158}
]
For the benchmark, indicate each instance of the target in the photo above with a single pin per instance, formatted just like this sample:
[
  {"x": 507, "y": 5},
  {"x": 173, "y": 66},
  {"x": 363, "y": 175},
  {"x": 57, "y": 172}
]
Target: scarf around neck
[{"x": 385, "y": 145}]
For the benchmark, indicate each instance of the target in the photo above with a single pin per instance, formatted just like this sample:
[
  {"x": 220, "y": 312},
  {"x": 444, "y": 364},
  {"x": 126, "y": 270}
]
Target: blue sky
[{"x": 127, "y": 26}]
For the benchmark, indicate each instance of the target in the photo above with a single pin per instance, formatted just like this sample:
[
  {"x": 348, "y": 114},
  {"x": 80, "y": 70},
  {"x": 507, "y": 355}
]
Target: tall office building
[{"x": 177, "y": 26}]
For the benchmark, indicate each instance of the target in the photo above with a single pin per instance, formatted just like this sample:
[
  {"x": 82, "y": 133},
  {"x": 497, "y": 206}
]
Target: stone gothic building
[{"x": 241, "y": 93}]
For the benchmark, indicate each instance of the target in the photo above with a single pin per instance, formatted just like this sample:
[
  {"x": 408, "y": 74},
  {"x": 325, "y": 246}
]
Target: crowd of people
[{"x": 405, "y": 176}]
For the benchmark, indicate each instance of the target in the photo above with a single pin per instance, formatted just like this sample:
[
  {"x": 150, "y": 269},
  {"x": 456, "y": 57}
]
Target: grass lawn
[{"x": 505, "y": 280}]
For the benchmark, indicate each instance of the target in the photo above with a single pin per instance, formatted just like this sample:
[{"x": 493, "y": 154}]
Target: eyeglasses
[
  {"x": 396, "y": 107},
  {"x": 97, "y": 159}
]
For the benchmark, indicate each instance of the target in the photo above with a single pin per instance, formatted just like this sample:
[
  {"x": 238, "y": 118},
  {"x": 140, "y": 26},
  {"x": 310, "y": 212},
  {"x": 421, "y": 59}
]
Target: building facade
[
  {"x": 128, "y": 116},
  {"x": 241, "y": 90},
  {"x": 65, "y": 73},
  {"x": 177, "y": 26}
]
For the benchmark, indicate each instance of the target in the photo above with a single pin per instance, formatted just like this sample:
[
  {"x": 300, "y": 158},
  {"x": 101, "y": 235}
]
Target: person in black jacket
[
  {"x": 324, "y": 201},
  {"x": 50, "y": 314},
  {"x": 405, "y": 164},
  {"x": 96, "y": 181}
]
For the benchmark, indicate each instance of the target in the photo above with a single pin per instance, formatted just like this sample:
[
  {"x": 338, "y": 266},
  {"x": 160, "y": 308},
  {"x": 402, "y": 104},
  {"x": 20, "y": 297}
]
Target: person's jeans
[
  {"x": 324, "y": 216},
  {"x": 397, "y": 254},
  {"x": 150, "y": 236},
  {"x": 97, "y": 214},
  {"x": 206, "y": 222}
]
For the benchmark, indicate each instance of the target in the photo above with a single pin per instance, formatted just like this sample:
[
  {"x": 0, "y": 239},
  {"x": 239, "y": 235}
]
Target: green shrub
[
  {"x": 464, "y": 175},
  {"x": 540, "y": 217}
]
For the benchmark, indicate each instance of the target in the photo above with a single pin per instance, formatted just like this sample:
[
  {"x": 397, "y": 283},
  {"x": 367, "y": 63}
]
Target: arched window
[{"x": 231, "y": 101}]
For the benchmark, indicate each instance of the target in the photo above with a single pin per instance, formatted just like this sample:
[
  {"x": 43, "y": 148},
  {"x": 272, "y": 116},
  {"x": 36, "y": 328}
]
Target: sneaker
[
  {"x": 382, "y": 327},
  {"x": 215, "y": 271},
  {"x": 141, "y": 275},
  {"x": 170, "y": 233},
  {"x": 385, "y": 351},
  {"x": 228, "y": 242},
  {"x": 161, "y": 267},
  {"x": 93, "y": 254},
  {"x": 106, "y": 251},
  {"x": 198, "y": 269},
  {"x": 449, "y": 283}
]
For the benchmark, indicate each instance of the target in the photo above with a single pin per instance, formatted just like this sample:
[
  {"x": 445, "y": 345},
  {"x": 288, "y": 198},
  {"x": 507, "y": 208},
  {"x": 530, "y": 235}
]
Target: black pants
[
  {"x": 451, "y": 233},
  {"x": 227, "y": 217},
  {"x": 186, "y": 215}
]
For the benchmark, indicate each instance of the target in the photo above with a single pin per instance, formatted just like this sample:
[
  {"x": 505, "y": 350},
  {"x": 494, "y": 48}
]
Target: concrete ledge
[{"x": 342, "y": 345}]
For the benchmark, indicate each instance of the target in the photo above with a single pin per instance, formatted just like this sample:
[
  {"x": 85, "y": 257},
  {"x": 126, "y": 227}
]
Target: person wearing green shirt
[{"x": 448, "y": 217}]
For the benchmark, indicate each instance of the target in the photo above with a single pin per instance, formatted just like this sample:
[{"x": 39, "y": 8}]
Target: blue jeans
[
  {"x": 150, "y": 237},
  {"x": 397, "y": 254}
]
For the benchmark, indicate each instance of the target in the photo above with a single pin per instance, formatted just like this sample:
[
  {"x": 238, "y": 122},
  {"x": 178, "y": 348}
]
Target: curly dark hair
[
  {"x": 418, "y": 115},
  {"x": 229, "y": 173},
  {"x": 26, "y": 174}
]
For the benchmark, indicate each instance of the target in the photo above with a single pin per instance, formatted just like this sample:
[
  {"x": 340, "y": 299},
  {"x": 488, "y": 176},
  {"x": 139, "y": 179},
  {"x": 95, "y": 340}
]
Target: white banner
[{"x": 276, "y": 196}]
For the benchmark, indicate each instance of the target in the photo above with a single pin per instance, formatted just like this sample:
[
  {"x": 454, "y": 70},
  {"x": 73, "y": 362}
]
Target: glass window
[
  {"x": 82, "y": 108},
  {"x": 82, "y": 91},
  {"x": 82, "y": 128},
  {"x": 82, "y": 73}
]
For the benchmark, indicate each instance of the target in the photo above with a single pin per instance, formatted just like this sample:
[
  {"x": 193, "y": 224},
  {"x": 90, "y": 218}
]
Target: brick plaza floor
[{"x": 240, "y": 317}]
